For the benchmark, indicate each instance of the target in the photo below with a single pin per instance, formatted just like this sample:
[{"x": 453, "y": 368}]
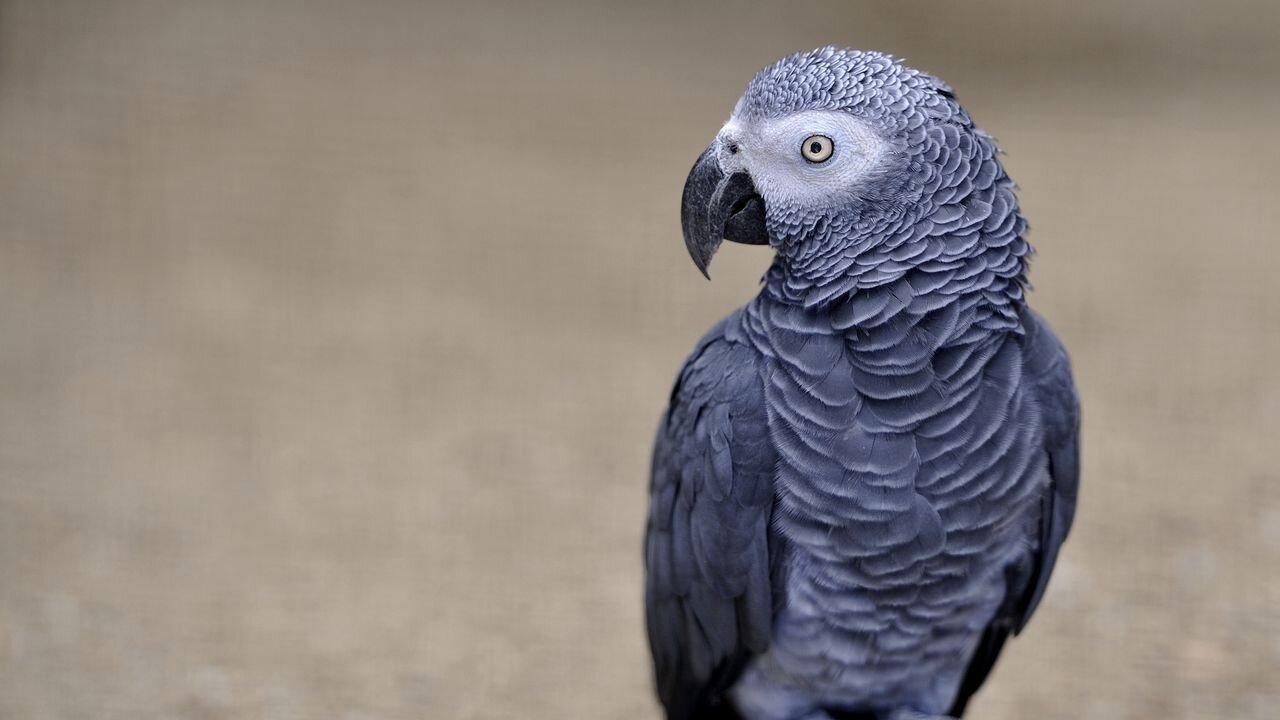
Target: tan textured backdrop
[{"x": 332, "y": 336}]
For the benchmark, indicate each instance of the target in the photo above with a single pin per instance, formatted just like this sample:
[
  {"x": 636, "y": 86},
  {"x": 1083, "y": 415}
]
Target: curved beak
[{"x": 718, "y": 207}]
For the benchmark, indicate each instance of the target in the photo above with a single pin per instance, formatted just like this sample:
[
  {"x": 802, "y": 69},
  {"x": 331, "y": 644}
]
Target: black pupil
[{"x": 815, "y": 147}]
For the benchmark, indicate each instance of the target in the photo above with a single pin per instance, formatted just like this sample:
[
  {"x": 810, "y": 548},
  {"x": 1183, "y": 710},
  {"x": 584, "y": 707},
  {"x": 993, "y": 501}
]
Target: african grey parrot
[{"x": 864, "y": 475}]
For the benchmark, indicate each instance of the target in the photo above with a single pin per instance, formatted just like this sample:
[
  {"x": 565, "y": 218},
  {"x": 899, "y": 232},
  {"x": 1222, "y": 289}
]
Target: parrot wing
[
  {"x": 708, "y": 594},
  {"x": 1048, "y": 372}
]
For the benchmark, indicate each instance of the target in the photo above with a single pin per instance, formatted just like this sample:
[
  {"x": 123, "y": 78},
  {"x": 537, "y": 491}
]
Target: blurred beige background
[{"x": 332, "y": 336}]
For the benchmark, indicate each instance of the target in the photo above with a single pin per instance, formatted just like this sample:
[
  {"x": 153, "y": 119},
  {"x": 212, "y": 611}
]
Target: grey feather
[
  {"x": 708, "y": 592},
  {"x": 864, "y": 476}
]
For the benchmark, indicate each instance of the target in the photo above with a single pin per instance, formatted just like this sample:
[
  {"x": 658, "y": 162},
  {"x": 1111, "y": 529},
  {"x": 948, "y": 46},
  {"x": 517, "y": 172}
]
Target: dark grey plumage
[{"x": 864, "y": 476}]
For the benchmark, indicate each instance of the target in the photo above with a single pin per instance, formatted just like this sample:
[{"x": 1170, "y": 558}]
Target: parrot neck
[
  {"x": 965, "y": 278},
  {"x": 971, "y": 244},
  {"x": 998, "y": 273},
  {"x": 910, "y": 313}
]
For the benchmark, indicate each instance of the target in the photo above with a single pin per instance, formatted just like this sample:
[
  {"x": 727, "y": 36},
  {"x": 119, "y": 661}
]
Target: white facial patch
[{"x": 773, "y": 152}]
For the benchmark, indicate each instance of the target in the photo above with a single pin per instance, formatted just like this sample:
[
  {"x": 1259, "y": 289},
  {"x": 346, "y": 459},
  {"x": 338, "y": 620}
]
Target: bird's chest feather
[{"x": 905, "y": 483}]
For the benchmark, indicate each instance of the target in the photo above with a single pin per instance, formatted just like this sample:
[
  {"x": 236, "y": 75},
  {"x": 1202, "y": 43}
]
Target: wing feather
[
  {"x": 1048, "y": 374},
  {"x": 708, "y": 592}
]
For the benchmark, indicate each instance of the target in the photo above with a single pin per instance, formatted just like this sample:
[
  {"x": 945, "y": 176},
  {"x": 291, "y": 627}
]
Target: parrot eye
[{"x": 817, "y": 148}]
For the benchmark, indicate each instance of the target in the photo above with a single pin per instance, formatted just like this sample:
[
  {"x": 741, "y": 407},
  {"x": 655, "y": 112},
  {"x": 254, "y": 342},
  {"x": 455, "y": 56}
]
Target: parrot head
[{"x": 827, "y": 155}]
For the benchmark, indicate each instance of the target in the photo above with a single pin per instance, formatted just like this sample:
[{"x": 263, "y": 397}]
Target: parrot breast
[{"x": 906, "y": 485}]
